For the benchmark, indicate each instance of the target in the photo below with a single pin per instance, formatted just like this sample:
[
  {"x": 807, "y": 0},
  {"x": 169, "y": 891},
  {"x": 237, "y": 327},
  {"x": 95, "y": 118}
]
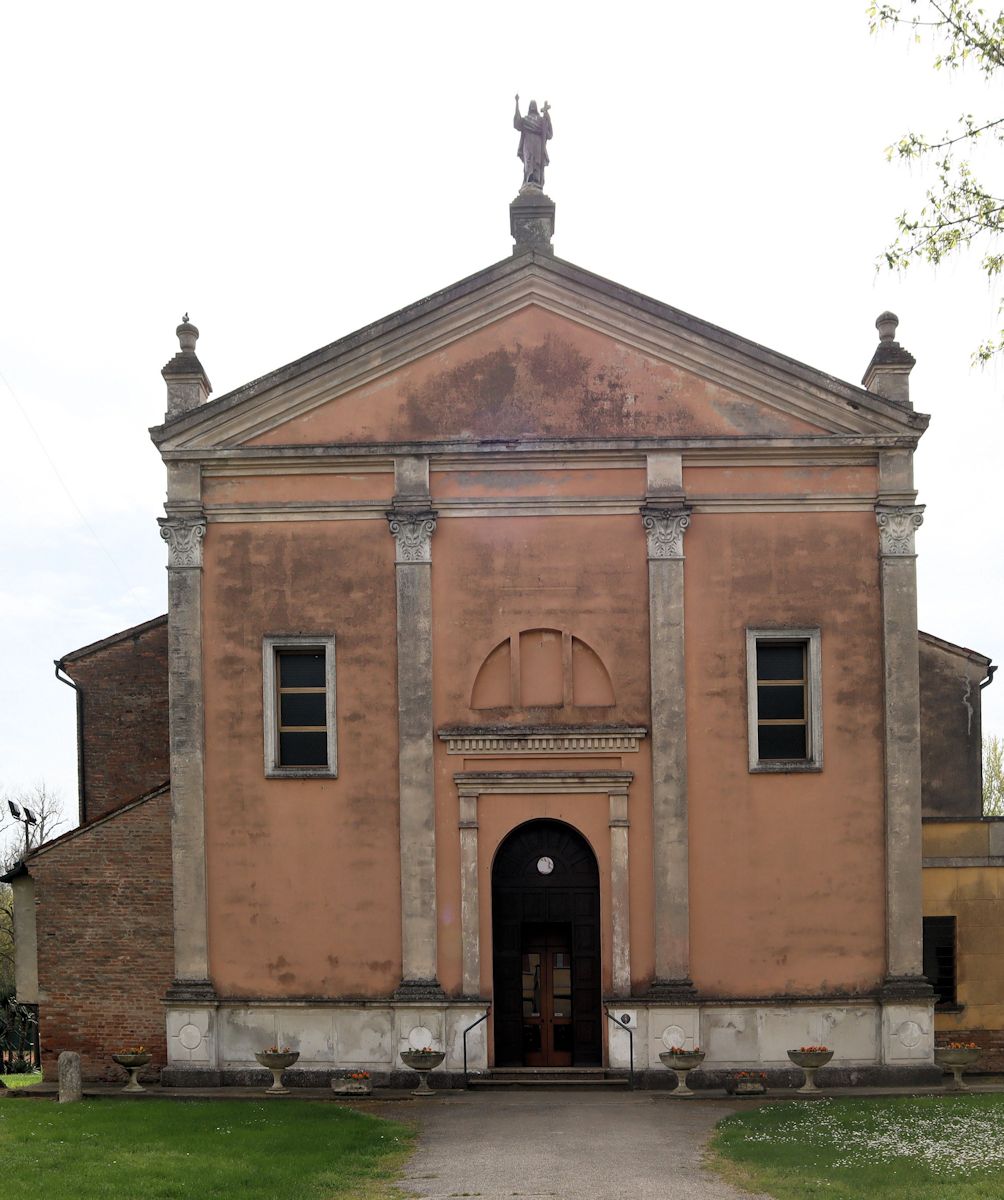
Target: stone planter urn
[
  {"x": 422, "y": 1061},
  {"x": 681, "y": 1063},
  {"x": 133, "y": 1063},
  {"x": 810, "y": 1060},
  {"x": 358, "y": 1083},
  {"x": 277, "y": 1062},
  {"x": 956, "y": 1059}
]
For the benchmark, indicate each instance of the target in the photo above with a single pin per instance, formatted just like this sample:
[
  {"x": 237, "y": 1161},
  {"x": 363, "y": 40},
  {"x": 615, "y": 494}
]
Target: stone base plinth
[
  {"x": 874, "y": 1043},
  {"x": 212, "y": 1048},
  {"x": 864, "y": 1034},
  {"x": 781, "y": 1079},
  {"x": 531, "y": 221}
]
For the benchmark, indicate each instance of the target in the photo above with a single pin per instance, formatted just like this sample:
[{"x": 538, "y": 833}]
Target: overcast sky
[{"x": 287, "y": 174}]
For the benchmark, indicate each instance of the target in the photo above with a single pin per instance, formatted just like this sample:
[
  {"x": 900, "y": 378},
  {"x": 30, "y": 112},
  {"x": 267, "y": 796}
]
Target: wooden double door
[
  {"x": 546, "y": 949},
  {"x": 548, "y": 1032}
]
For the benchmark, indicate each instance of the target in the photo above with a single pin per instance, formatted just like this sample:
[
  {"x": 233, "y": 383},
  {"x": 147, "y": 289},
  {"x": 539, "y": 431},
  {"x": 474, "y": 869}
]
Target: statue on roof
[{"x": 534, "y": 134}]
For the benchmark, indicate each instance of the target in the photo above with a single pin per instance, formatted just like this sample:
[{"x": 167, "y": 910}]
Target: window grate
[{"x": 939, "y": 958}]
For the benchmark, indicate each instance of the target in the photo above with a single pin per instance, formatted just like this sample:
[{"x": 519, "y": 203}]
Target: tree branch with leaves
[
  {"x": 993, "y": 777},
  {"x": 958, "y": 212}
]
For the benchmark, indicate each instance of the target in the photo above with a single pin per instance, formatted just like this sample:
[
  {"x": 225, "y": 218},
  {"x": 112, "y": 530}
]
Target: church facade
[{"x": 546, "y": 652}]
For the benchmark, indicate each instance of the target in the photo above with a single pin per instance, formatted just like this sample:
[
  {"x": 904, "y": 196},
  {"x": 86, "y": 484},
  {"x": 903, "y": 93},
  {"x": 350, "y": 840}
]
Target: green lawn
[
  {"x": 255, "y": 1150},
  {"x": 908, "y": 1148},
  {"x": 18, "y": 1081}
]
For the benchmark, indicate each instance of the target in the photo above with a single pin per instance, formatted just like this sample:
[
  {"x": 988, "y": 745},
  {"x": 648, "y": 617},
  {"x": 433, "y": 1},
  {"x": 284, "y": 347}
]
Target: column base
[
  {"x": 902, "y": 989},
  {"x": 191, "y": 991},
  {"x": 419, "y": 990},
  {"x": 674, "y": 991}
]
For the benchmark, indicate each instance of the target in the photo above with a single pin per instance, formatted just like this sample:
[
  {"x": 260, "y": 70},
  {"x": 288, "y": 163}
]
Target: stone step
[{"x": 550, "y": 1077}]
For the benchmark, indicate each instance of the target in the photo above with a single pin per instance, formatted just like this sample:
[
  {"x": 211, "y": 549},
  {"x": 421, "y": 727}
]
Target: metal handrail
[
  {"x": 630, "y": 1032},
  {"x": 466, "y": 1032}
]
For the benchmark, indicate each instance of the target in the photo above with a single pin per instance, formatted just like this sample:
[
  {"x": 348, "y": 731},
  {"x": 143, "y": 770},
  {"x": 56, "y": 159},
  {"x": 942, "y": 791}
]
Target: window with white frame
[
  {"x": 299, "y": 705},
  {"x": 784, "y": 699}
]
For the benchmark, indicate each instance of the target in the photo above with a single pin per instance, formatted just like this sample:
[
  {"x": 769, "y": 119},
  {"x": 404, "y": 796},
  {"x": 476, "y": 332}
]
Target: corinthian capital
[
  {"x": 897, "y": 526},
  {"x": 664, "y": 528},
  {"x": 184, "y": 540},
  {"x": 412, "y": 530}
]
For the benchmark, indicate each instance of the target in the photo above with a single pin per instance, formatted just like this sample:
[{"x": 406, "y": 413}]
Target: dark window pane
[
  {"x": 301, "y": 670},
  {"x": 531, "y": 1039},
  {"x": 303, "y": 749},
  {"x": 939, "y": 957},
  {"x": 782, "y": 741},
  {"x": 780, "y": 703},
  {"x": 302, "y": 708},
  {"x": 775, "y": 660},
  {"x": 563, "y": 1038}
]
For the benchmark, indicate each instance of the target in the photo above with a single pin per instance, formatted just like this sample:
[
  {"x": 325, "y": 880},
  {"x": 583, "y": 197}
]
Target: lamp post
[{"x": 29, "y": 819}]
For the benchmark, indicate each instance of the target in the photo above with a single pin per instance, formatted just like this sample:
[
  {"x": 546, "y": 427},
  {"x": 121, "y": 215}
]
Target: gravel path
[{"x": 565, "y": 1146}]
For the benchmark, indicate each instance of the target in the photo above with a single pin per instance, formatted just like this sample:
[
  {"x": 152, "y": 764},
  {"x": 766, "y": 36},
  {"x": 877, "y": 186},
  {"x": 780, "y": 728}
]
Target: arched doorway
[{"x": 546, "y": 948}]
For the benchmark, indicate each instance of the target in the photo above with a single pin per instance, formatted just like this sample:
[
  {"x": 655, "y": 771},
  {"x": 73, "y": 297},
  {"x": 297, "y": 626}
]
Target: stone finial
[
  {"x": 188, "y": 385},
  {"x": 888, "y": 372},
  {"x": 886, "y": 323},
  {"x": 188, "y": 335}
]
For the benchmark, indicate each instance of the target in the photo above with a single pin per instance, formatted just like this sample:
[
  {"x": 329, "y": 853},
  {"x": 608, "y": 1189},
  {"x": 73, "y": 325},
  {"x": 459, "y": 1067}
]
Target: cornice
[
  {"x": 537, "y": 506},
  {"x": 711, "y": 451}
]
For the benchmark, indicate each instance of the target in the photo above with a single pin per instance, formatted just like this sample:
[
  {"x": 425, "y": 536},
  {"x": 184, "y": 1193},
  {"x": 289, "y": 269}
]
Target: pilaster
[
  {"x": 470, "y": 909},
  {"x": 25, "y": 939},
  {"x": 620, "y": 893},
  {"x": 412, "y": 523},
  {"x": 184, "y": 530},
  {"x": 898, "y": 522},
  {"x": 666, "y": 518}
]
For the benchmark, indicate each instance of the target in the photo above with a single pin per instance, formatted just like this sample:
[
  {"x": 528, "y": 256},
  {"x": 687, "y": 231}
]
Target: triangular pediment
[{"x": 535, "y": 348}]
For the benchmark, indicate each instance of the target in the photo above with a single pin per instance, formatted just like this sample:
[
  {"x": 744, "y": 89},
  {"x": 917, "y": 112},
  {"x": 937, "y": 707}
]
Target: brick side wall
[
  {"x": 125, "y": 718},
  {"x": 105, "y": 944}
]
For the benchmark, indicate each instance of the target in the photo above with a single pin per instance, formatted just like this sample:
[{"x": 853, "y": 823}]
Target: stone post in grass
[{"x": 70, "y": 1087}]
